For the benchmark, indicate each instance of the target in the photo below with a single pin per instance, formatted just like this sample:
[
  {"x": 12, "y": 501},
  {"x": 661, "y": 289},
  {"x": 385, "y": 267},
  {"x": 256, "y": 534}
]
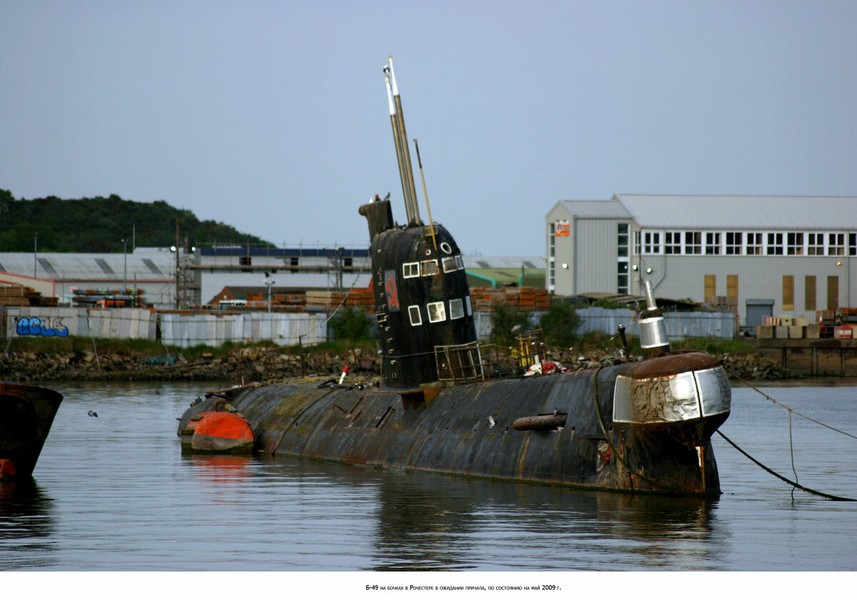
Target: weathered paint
[
  {"x": 218, "y": 431},
  {"x": 26, "y": 415},
  {"x": 468, "y": 430}
]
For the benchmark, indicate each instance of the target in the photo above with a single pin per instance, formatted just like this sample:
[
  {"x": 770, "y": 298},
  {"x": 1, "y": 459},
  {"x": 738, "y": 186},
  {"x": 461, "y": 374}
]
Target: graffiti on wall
[{"x": 49, "y": 327}]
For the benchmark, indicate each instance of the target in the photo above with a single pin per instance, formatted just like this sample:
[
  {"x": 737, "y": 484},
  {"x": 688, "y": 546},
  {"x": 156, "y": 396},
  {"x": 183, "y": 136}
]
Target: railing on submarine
[{"x": 474, "y": 361}]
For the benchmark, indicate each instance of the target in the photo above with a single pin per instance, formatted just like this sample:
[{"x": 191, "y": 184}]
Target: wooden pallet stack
[
  {"x": 329, "y": 300},
  {"x": 525, "y": 299},
  {"x": 19, "y": 295}
]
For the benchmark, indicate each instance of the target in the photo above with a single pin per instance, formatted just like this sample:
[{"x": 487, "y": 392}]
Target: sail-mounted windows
[
  {"x": 456, "y": 309},
  {"x": 436, "y": 312},
  {"x": 428, "y": 268},
  {"x": 449, "y": 264}
]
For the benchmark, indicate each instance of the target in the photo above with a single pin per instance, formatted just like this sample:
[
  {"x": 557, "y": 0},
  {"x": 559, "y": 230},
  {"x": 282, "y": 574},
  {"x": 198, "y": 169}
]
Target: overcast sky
[{"x": 271, "y": 116}]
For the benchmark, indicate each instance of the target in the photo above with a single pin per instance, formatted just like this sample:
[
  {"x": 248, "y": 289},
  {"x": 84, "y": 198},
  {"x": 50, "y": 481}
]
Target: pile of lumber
[
  {"x": 525, "y": 299},
  {"x": 19, "y": 295},
  {"x": 326, "y": 300}
]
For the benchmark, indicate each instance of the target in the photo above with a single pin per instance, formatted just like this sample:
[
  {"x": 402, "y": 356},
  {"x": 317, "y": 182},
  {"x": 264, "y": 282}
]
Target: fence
[{"x": 289, "y": 329}]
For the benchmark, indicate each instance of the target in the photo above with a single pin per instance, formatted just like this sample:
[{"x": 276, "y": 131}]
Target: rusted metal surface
[
  {"x": 540, "y": 422},
  {"x": 469, "y": 430},
  {"x": 26, "y": 415}
]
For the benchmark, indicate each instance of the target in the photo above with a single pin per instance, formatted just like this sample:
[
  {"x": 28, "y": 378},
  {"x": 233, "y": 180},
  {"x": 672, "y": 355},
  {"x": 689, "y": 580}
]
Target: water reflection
[
  {"x": 431, "y": 522},
  {"x": 26, "y": 526},
  {"x": 417, "y": 521}
]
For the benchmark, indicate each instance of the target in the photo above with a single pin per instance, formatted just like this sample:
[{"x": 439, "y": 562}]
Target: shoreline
[{"x": 265, "y": 363}]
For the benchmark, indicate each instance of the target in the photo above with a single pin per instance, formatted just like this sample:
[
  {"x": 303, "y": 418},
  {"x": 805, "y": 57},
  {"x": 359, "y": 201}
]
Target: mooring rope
[
  {"x": 788, "y": 408},
  {"x": 775, "y": 474},
  {"x": 791, "y": 412}
]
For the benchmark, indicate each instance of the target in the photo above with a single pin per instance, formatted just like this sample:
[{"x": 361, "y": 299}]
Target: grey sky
[{"x": 272, "y": 116}]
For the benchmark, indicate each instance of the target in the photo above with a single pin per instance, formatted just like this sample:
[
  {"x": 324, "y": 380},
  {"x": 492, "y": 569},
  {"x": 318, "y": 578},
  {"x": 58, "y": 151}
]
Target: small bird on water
[{"x": 92, "y": 413}]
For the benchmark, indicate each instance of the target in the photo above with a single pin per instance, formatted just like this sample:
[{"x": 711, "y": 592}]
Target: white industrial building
[{"x": 762, "y": 255}]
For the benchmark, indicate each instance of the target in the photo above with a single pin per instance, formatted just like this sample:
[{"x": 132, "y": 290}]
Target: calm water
[{"x": 114, "y": 493}]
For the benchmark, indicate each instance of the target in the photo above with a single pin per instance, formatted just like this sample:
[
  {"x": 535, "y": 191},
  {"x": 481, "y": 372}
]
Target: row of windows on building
[
  {"x": 745, "y": 243},
  {"x": 437, "y": 312}
]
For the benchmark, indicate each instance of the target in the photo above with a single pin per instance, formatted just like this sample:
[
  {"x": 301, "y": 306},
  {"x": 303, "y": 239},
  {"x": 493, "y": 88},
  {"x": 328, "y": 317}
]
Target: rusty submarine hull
[
  {"x": 596, "y": 429},
  {"x": 442, "y": 406}
]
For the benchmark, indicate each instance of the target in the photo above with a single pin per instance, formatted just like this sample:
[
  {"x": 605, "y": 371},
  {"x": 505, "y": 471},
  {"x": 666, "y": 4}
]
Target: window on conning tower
[{"x": 436, "y": 312}]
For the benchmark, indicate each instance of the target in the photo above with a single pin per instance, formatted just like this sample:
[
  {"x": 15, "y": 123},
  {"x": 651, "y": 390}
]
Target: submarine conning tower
[{"x": 422, "y": 299}]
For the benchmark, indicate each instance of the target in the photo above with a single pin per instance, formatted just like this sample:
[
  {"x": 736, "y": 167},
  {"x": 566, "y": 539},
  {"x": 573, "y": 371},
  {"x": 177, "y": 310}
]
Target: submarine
[{"x": 441, "y": 405}]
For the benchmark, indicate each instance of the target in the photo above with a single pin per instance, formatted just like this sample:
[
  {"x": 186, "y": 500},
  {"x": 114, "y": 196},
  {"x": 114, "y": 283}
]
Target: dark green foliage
[
  {"x": 351, "y": 324},
  {"x": 559, "y": 324},
  {"x": 504, "y": 318},
  {"x": 99, "y": 224}
]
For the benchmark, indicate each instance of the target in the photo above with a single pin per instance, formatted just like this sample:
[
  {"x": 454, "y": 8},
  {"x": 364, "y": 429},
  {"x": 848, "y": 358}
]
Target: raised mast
[{"x": 400, "y": 138}]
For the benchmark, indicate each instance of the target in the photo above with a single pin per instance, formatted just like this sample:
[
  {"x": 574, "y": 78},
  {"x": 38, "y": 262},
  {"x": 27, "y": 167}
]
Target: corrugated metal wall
[{"x": 184, "y": 330}]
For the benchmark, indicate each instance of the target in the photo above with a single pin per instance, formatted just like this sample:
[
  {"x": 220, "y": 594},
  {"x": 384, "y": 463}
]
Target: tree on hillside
[{"x": 99, "y": 224}]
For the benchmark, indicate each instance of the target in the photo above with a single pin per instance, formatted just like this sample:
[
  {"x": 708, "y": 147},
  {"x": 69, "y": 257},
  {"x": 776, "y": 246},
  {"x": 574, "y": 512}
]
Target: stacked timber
[
  {"x": 20, "y": 295},
  {"x": 524, "y": 299},
  {"x": 322, "y": 300}
]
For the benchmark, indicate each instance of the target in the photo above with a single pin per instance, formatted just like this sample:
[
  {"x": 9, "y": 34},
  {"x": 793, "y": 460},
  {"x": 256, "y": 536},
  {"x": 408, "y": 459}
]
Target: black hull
[
  {"x": 553, "y": 429},
  {"x": 26, "y": 415}
]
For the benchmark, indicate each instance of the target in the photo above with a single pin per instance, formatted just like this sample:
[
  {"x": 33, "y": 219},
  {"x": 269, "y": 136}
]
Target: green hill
[{"x": 99, "y": 224}]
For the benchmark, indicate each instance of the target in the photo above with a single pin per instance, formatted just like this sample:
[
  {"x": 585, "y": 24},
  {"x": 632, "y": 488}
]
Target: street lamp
[
  {"x": 125, "y": 266},
  {"x": 269, "y": 282},
  {"x": 175, "y": 249}
]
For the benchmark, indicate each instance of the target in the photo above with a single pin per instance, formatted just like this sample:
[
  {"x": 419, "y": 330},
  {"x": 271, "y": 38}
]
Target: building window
[
  {"x": 415, "y": 315},
  {"x": 410, "y": 270},
  {"x": 815, "y": 244},
  {"x": 468, "y": 306},
  {"x": 835, "y": 244},
  {"x": 712, "y": 242},
  {"x": 754, "y": 243},
  {"x": 622, "y": 239},
  {"x": 651, "y": 242},
  {"x": 456, "y": 309},
  {"x": 449, "y": 264},
  {"x": 809, "y": 292},
  {"x": 428, "y": 268},
  {"x": 788, "y": 292},
  {"x": 794, "y": 243},
  {"x": 852, "y": 244},
  {"x": 638, "y": 247},
  {"x": 775, "y": 244},
  {"x": 622, "y": 278},
  {"x": 693, "y": 242},
  {"x": 672, "y": 242},
  {"x": 436, "y": 312},
  {"x": 734, "y": 242}
]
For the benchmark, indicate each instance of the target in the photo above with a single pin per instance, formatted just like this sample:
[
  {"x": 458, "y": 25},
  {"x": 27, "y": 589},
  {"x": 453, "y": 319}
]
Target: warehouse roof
[
  {"x": 142, "y": 265},
  {"x": 837, "y": 213}
]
